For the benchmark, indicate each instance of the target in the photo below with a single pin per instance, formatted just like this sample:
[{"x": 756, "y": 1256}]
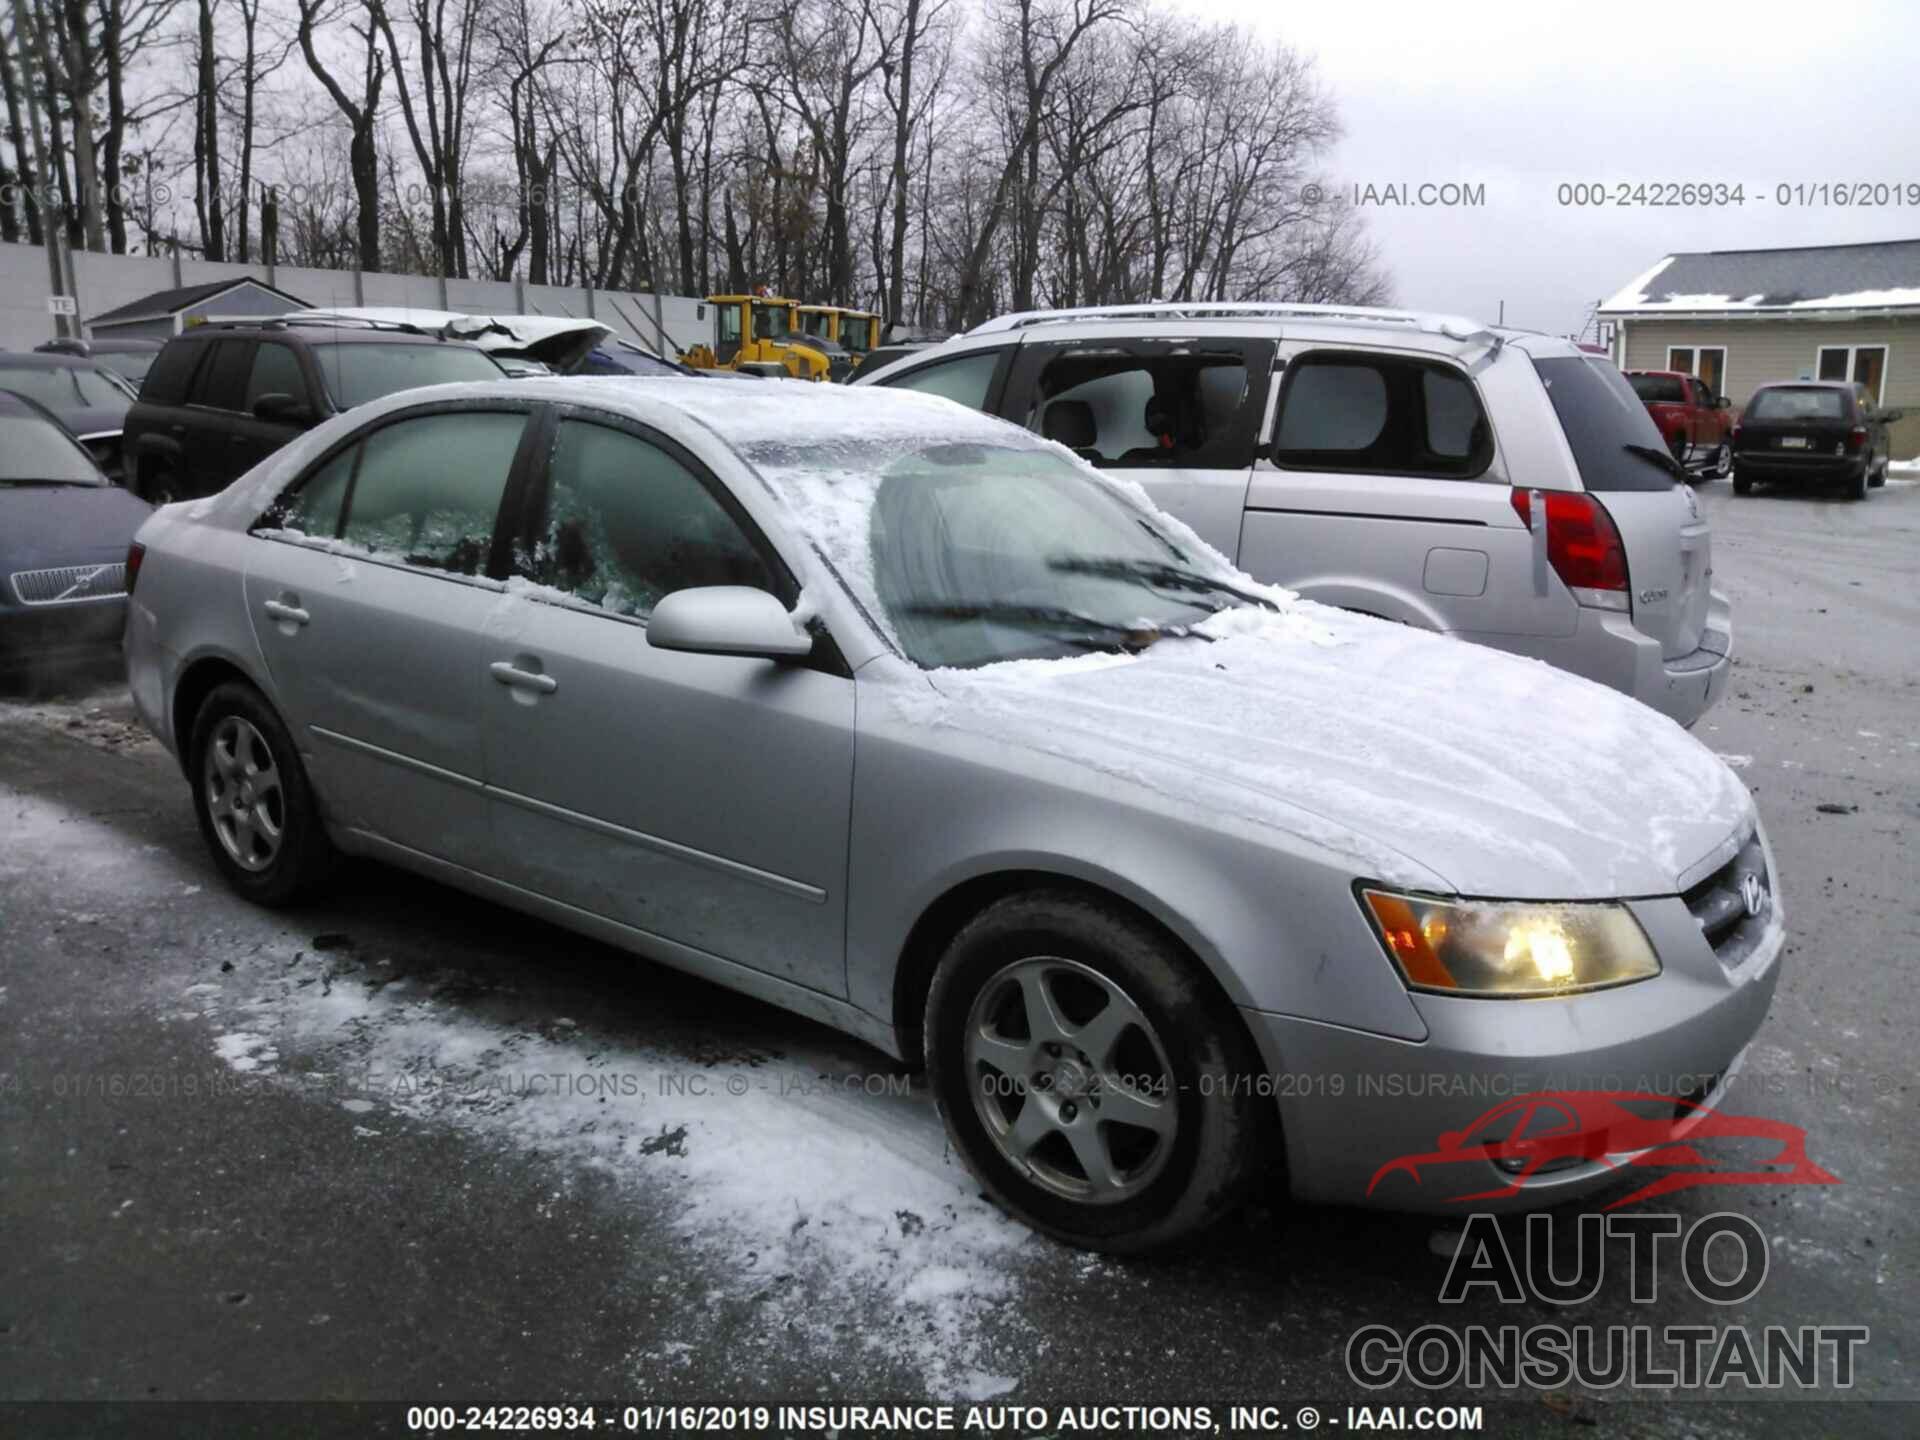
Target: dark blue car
[{"x": 64, "y": 533}]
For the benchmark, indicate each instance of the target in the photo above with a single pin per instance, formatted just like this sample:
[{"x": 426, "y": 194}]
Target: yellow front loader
[{"x": 756, "y": 334}]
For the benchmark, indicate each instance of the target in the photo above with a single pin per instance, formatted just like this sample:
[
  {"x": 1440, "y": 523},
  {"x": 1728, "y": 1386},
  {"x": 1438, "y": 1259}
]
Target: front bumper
[
  {"x": 1351, "y": 1102},
  {"x": 53, "y": 634}
]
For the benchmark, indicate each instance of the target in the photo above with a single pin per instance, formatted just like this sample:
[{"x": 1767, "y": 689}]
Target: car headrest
[{"x": 1070, "y": 422}]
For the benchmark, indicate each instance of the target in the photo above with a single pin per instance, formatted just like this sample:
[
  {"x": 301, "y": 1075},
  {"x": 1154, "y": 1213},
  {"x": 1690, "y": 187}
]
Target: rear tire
[
  {"x": 252, "y": 798},
  {"x": 1857, "y": 487},
  {"x": 158, "y": 483},
  {"x": 1093, "y": 1082},
  {"x": 1742, "y": 485},
  {"x": 1722, "y": 462}
]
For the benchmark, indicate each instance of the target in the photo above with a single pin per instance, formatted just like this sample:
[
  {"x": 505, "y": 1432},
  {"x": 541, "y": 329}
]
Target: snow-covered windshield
[{"x": 975, "y": 551}]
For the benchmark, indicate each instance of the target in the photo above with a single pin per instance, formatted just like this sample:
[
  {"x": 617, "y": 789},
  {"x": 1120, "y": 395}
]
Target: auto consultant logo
[
  {"x": 1723, "y": 1258},
  {"x": 1678, "y": 1144}
]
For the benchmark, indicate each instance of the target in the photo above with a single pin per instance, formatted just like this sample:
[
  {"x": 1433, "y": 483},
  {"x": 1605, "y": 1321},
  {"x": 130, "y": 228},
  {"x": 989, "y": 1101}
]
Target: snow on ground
[
  {"x": 819, "y": 1184},
  {"x": 808, "y": 1179}
]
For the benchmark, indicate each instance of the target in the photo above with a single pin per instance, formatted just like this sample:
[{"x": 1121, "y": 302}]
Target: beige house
[{"x": 1740, "y": 318}]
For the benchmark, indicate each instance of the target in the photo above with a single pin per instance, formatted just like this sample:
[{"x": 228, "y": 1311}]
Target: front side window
[
  {"x": 770, "y": 322},
  {"x": 316, "y": 508},
  {"x": 1158, "y": 408},
  {"x": 358, "y": 372},
  {"x": 965, "y": 378},
  {"x": 428, "y": 489},
  {"x": 628, "y": 524},
  {"x": 276, "y": 371},
  {"x": 1381, "y": 414}
]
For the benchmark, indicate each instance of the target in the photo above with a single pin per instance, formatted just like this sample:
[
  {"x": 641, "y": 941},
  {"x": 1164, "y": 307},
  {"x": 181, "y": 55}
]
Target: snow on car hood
[{"x": 1411, "y": 754}]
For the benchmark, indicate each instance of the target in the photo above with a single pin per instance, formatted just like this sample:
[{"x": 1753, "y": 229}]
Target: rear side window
[
  {"x": 428, "y": 489},
  {"x": 1607, "y": 427},
  {"x": 965, "y": 378},
  {"x": 167, "y": 380},
  {"x": 222, "y": 381},
  {"x": 1381, "y": 414},
  {"x": 315, "y": 509},
  {"x": 1658, "y": 389},
  {"x": 1798, "y": 403}
]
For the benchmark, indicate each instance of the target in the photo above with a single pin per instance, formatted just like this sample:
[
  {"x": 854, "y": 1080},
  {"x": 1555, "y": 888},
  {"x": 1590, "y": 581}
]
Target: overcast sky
[{"x": 1525, "y": 94}]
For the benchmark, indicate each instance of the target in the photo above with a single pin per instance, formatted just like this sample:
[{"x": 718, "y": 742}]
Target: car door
[
  {"x": 275, "y": 369},
  {"x": 701, "y": 799},
  {"x": 1181, "y": 417},
  {"x": 368, "y": 592},
  {"x": 1382, "y": 489},
  {"x": 214, "y": 406}
]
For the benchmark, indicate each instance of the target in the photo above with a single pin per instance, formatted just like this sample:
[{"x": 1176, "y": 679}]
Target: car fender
[{"x": 1373, "y": 597}]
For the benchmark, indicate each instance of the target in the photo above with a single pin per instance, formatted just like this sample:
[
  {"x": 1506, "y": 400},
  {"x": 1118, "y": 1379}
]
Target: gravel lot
[{"x": 407, "y": 1146}]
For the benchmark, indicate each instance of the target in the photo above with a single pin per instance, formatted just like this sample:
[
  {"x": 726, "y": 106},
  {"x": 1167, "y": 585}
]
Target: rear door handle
[
  {"x": 507, "y": 673},
  {"x": 292, "y": 614}
]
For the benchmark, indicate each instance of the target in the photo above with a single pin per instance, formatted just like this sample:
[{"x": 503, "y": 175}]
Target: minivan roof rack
[
  {"x": 324, "y": 322},
  {"x": 1454, "y": 327}
]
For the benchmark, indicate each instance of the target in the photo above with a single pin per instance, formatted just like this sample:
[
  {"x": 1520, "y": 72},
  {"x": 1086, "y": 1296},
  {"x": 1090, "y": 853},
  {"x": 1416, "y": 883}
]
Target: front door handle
[
  {"x": 507, "y": 673},
  {"x": 291, "y": 614}
]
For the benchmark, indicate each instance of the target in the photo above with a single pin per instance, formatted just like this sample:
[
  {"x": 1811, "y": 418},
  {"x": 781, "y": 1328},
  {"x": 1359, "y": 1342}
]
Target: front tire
[
  {"x": 157, "y": 483},
  {"x": 251, "y": 795},
  {"x": 1091, "y": 1079}
]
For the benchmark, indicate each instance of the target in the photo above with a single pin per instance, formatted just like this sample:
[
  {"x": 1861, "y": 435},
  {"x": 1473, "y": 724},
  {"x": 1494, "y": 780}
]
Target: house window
[
  {"x": 1864, "y": 364},
  {"x": 1706, "y": 363}
]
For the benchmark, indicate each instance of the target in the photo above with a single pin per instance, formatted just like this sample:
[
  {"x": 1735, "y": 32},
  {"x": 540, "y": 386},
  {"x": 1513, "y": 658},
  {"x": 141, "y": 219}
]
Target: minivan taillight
[
  {"x": 1583, "y": 546},
  {"x": 1856, "y": 437},
  {"x": 136, "y": 552}
]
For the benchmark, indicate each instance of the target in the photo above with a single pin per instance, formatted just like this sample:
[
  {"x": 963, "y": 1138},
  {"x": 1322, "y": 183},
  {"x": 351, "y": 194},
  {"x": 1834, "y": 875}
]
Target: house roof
[
  {"x": 1884, "y": 275},
  {"x": 163, "y": 303}
]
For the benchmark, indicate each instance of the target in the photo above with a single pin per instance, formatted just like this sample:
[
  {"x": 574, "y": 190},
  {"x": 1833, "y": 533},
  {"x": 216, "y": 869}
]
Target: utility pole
[{"x": 53, "y": 217}]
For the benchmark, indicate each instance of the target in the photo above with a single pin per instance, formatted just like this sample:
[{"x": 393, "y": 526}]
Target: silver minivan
[{"x": 1503, "y": 487}]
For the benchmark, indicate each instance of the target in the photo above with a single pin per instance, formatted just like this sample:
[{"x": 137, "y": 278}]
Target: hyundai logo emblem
[{"x": 1753, "y": 893}]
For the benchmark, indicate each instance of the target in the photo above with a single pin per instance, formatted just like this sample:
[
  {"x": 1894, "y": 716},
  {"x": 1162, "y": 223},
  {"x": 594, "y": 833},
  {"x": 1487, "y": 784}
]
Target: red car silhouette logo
[{"x": 1623, "y": 1130}]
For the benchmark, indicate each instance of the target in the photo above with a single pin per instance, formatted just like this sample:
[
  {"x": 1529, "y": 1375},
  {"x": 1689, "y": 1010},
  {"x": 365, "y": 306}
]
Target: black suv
[{"x": 224, "y": 396}]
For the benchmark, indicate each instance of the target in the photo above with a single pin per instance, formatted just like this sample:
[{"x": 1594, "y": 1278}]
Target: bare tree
[{"x": 362, "y": 116}]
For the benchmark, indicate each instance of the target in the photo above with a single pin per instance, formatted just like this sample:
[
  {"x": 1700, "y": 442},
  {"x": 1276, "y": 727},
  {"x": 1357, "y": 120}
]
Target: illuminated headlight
[{"x": 1487, "y": 947}]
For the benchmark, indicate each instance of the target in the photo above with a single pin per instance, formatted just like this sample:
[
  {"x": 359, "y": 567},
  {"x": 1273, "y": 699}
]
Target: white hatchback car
[{"x": 1500, "y": 486}]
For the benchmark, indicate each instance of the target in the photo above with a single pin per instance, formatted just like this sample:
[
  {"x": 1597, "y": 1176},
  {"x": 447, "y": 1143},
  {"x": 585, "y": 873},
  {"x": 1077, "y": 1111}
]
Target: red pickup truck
[{"x": 1696, "y": 424}]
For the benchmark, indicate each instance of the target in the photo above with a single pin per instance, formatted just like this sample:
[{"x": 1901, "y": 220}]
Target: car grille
[
  {"x": 1731, "y": 913},
  {"x": 70, "y": 583}
]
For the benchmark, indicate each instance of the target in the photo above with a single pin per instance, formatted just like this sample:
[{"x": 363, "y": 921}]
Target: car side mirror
[
  {"x": 727, "y": 620},
  {"x": 275, "y": 405},
  {"x": 1723, "y": 403}
]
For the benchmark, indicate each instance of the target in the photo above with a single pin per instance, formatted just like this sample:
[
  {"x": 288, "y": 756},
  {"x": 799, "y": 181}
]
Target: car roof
[
  {"x": 1806, "y": 385},
  {"x": 320, "y": 333},
  {"x": 1443, "y": 336},
  {"x": 45, "y": 360}
]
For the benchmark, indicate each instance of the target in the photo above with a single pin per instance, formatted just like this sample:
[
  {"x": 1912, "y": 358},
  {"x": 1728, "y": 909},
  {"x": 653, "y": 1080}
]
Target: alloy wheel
[
  {"x": 1070, "y": 1080},
  {"x": 243, "y": 794}
]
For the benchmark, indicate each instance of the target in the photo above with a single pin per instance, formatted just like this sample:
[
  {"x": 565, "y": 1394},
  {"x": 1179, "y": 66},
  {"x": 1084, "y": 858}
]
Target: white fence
[{"x": 106, "y": 282}]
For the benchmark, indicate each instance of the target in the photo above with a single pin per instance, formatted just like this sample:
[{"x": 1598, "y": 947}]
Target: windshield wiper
[
  {"x": 1161, "y": 576},
  {"x": 1049, "y": 617},
  {"x": 1654, "y": 455}
]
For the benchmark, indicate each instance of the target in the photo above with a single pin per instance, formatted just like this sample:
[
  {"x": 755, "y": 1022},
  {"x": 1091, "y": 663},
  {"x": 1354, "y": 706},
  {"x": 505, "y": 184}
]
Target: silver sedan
[{"x": 907, "y": 720}]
